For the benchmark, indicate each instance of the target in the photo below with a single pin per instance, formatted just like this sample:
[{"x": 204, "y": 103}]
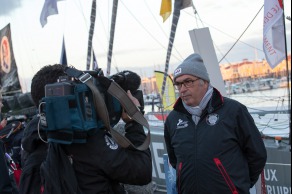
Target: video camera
[{"x": 68, "y": 111}]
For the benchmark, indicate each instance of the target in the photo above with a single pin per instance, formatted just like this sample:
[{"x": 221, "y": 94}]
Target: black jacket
[
  {"x": 224, "y": 153},
  {"x": 5, "y": 183},
  {"x": 99, "y": 165},
  {"x": 33, "y": 154}
]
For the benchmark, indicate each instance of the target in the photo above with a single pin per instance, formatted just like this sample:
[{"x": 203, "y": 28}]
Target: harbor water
[
  {"x": 269, "y": 108},
  {"x": 276, "y": 99}
]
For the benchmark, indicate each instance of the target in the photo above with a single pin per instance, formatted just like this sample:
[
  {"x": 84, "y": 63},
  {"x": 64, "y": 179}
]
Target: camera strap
[{"x": 115, "y": 90}]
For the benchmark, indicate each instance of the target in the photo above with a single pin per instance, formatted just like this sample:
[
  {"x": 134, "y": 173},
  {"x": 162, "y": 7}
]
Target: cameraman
[{"x": 100, "y": 165}]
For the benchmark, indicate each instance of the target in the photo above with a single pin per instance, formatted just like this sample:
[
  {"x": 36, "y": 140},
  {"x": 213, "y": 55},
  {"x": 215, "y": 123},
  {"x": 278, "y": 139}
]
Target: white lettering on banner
[
  {"x": 270, "y": 175},
  {"x": 271, "y": 189},
  {"x": 158, "y": 160}
]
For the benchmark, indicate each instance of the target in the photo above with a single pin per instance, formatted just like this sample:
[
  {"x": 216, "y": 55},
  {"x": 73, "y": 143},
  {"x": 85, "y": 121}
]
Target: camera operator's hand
[
  {"x": 125, "y": 116},
  {"x": 3, "y": 123}
]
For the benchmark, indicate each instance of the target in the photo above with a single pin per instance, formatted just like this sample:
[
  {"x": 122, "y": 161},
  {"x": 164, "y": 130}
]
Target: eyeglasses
[{"x": 187, "y": 83}]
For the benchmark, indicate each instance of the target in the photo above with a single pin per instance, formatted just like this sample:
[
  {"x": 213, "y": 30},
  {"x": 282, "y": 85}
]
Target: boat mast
[
  {"x": 91, "y": 31},
  {"x": 288, "y": 76},
  {"x": 112, "y": 35}
]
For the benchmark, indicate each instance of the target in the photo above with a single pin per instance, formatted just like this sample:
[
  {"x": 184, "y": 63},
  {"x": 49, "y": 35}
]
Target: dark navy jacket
[{"x": 223, "y": 154}]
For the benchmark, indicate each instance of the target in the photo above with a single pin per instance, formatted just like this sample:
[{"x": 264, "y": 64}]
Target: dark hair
[{"x": 46, "y": 75}]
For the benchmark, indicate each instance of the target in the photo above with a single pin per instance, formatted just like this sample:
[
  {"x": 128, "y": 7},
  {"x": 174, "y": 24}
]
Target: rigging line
[
  {"x": 272, "y": 98},
  {"x": 271, "y": 118},
  {"x": 161, "y": 28},
  {"x": 148, "y": 32},
  {"x": 241, "y": 35},
  {"x": 80, "y": 9},
  {"x": 196, "y": 13},
  {"x": 79, "y": 6},
  {"x": 102, "y": 23},
  {"x": 229, "y": 35},
  {"x": 228, "y": 62},
  {"x": 198, "y": 18},
  {"x": 106, "y": 32},
  {"x": 29, "y": 44}
]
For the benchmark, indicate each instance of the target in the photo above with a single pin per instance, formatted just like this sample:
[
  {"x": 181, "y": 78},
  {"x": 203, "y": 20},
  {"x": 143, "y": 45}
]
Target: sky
[{"x": 141, "y": 37}]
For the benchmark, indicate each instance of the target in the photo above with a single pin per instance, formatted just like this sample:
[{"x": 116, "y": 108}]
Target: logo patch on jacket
[
  {"x": 212, "y": 119},
  {"x": 110, "y": 142},
  {"x": 182, "y": 124}
]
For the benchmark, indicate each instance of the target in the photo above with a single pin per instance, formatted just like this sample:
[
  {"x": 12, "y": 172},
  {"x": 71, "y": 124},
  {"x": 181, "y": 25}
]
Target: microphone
[{"x": 129, "y": 80}]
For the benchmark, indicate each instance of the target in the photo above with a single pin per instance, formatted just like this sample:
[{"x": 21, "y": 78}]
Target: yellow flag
[
  {"x": 169, "y": 97},
  {"x": 165, "y": 9}
]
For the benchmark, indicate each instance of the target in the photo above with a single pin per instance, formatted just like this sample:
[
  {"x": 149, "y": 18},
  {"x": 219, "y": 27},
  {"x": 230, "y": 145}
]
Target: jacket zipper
[
  {"x": 225, "y": 176},
  {"x": 179, "y": 176}
]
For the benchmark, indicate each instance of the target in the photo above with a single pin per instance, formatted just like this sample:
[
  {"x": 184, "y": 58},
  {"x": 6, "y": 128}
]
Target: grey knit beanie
[{"x": 193, "y": 65}]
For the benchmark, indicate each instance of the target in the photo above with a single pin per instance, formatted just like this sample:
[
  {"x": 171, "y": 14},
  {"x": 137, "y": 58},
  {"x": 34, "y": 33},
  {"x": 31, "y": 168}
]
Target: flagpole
[{"x": 288, "y": 76}]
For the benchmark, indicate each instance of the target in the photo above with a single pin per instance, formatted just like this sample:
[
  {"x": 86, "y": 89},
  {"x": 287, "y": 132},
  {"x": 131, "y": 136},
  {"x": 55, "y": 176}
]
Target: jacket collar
[{"x": 217, "y": 100}]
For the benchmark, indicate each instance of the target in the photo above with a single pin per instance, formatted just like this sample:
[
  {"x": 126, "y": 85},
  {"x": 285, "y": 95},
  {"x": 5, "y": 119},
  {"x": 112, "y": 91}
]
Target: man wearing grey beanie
[{"x": 211, "y": 140}]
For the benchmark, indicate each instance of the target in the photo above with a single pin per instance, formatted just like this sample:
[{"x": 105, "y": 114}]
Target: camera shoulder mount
[{"x": 115, "y": 90}]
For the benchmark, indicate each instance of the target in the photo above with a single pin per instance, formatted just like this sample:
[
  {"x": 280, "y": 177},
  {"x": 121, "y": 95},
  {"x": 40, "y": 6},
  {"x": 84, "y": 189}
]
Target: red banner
[{"x": 8, "y": 71}]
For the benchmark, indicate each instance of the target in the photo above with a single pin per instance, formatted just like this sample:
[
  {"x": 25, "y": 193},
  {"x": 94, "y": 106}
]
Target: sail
[
  {"x": 168, "y": 98},
  {"x": 8, "y": 72}
]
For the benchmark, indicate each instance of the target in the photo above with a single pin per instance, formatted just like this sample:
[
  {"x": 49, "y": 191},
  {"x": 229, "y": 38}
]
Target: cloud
[{"x": 7, "y": 6}]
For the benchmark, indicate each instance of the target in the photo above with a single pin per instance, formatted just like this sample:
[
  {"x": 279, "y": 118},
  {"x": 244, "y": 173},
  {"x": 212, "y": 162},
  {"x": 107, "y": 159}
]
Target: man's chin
[{"x": 187, "y": 101}]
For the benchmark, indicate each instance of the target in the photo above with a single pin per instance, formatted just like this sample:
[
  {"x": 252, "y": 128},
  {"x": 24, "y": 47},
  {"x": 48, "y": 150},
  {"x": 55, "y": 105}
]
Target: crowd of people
[{"x": 211, "y": 140}]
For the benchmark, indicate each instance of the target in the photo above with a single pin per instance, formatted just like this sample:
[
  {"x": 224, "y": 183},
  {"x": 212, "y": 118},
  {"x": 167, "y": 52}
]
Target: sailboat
[{"x": 276, "y": 177}]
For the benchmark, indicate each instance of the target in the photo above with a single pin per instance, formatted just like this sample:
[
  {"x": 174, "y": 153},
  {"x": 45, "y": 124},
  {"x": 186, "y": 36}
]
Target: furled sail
[
  {"x": 112, "y": 35},
  {"x": 91, "y": 31}
]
